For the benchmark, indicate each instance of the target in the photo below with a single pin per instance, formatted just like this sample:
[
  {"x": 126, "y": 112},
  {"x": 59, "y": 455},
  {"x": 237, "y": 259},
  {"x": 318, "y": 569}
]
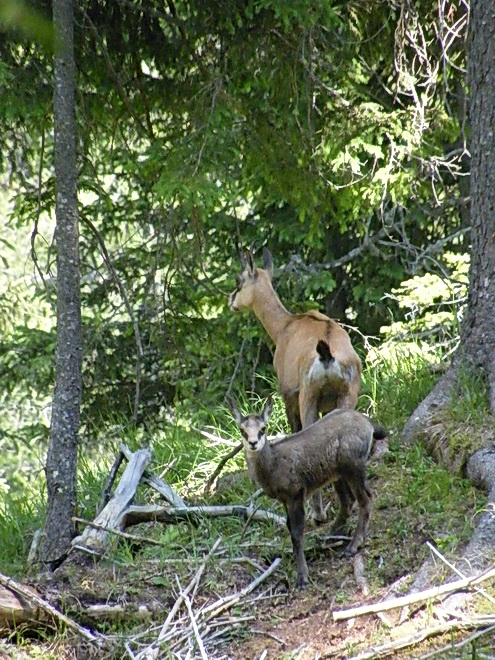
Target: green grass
[{"x": 415, "y": 499}]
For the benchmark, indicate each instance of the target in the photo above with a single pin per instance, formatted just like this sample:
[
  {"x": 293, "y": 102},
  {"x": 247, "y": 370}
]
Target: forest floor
[{"x": 415, "y": 502}]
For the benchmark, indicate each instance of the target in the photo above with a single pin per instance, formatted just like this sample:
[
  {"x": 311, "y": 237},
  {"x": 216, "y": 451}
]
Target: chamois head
[
  {"x": 252, "y": 427},
  {"x": 250, "y": 279}
]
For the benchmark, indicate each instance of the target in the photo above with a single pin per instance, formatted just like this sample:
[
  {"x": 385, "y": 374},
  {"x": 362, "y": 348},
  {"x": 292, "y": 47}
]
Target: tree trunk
[
  {"x": 477, "y": 348},
  {"x": 62, "y": 453}
]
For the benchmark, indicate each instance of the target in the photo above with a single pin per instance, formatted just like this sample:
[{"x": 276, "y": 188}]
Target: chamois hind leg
[
  {"x": 359, "y": 485},
  {"x": 346, "y": 499},
  {"x": 295, "y": 525}
]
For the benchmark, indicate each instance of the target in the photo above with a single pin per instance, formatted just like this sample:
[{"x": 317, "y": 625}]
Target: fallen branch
[
  {"x": 195, "y": 628},
  {"x": 198, "y": 625},
  {"x": 124, "y": 535},
  {"x": 155, "y": 482},
  {"x": 151, "y": 650},
  {"x": 166, "y": 514},
  {"x": 434, "y": 592},
  {"x": 113, "y": 515},
  {"x": 450, "y": 647},
  {"x": 226, "y": 603},
  {"x": 26, "y": 593},
  {"x": 458, "y": 572},
  {"x": 105, "y": 497},
  {"x": 421, "y": 635}
]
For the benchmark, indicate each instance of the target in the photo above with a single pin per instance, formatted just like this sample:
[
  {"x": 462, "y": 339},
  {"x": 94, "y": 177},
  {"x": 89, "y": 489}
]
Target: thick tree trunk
[
  {"x": 62, "y": 453},
  {"x": 477, "y": 349}
]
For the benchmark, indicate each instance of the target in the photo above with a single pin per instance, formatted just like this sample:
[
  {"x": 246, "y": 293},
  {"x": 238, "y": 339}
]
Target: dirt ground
[{"x": 274, "y": 621}]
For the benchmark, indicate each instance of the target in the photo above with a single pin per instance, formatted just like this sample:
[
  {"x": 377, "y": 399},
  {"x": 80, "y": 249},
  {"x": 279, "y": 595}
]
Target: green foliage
[{"x": 292, "y": 123}]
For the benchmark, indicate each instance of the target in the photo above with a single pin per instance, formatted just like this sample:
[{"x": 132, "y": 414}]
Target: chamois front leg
[
  {"x": 308, "y": 407},
  {"x": 295, "y": 525},
  {"x": 358, "y": 484}
]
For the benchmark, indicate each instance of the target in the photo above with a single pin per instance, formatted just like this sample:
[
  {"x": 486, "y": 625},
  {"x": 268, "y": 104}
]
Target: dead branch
[
  {"x": 156, "y": 483},
  {"x": 450, "y": 647},
  {"x": 110, "y": 481},
  {"x": 124, "y": 535},
  {"x": 434, "y": 592},
  {"x": 166, "y": 514},
  {"x": 28, "y": 594},
  {"x": 421, "y": 635},
  {"x": 113, "y": 515},
  {"x": 458, "y": 572},
  {"x": 221, "y": 465},
  {"x": 226, "y": 603},
  {"x": 151, "y": 650},
  {"x": 194, "y": 625}
]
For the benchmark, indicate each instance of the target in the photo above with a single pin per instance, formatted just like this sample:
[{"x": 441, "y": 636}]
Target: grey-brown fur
[{"x": 334, "y": 449}]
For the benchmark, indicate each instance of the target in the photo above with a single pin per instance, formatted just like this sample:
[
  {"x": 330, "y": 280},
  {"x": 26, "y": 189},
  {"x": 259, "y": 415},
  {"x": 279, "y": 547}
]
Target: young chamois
[
  {"x": 317, "y": 368},
  {"x": 335, "y": 448}
]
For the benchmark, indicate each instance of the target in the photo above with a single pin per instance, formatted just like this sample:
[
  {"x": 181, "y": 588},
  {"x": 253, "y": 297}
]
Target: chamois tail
[{"x": 323, "y": 350}]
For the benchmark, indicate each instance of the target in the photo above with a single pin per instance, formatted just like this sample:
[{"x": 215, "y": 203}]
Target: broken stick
[{"x": 428, "y": 594}]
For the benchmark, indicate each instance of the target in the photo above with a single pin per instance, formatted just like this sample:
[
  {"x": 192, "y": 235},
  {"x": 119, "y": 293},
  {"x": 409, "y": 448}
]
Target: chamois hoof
[
  {"x": 338, "y": 529},
  {"x": 302, "y": 582},
  {"x": 349, "y": 552}
]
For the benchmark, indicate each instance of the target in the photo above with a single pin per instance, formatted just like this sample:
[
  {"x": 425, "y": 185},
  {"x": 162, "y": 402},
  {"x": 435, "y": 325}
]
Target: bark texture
[
  {"x": 477, "y": 348},
  {"x": 62, "y": 453}
]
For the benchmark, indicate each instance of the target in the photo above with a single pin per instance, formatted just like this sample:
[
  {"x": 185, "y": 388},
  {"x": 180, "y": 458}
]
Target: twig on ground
[
  {"x": 428, "y": 594},
  {"x": 222, "y": 604},
  {"x": 195, "y": 628},
  {"x": 458, "y": 645},
  {"x": 421, "y": 635},
  {"x": 124, "y": 535},
  {"x": 458, "y": 572},
  {"x": 265, "y": 633},
  {"x": 44, "y": 605},
  {"x": 148, "y": 652}
]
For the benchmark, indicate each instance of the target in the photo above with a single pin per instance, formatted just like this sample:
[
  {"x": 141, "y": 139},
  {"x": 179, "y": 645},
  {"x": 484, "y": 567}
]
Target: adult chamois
[
  {"x": 335, "y": 448},
  {"x": 317, "y": 368}
]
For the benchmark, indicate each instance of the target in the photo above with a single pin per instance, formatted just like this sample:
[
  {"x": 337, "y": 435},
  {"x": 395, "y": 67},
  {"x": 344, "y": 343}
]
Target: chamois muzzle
[{"x": 232, "y": 298}]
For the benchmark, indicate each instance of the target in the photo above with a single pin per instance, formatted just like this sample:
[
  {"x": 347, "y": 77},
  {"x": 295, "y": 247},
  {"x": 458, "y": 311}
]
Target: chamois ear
[
  {"x": 242, "y": 258},
  {"x": 250, "y": 265},
  {"x": 268, "y": 262},
  {"x": 267, "y": 409},
  {"x": 234, "y": 409}
]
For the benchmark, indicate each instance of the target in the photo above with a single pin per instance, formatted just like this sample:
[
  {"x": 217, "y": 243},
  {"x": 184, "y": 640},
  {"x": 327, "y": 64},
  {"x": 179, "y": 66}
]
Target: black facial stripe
[
  {"x": 244, "y": 434},
  {"x": 261, "y": 433}
]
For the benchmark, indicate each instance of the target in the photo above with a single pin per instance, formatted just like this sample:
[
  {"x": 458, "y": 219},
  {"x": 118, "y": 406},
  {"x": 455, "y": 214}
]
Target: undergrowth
[{"x": 415, "y": 500}]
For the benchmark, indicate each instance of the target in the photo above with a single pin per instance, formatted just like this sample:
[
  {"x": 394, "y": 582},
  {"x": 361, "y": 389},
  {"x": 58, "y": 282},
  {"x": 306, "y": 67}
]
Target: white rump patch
[{"x": 318, "y": 372}]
